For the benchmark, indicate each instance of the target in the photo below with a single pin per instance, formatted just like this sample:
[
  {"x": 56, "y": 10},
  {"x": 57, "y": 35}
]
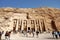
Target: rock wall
[{"x": 37, "y": 18}]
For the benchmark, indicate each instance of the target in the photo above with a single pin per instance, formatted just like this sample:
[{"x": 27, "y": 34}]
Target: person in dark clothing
[
  {"x": 56, "y": 34},
  {"x": 22, "y": 31},
  {"x": 59, "y": 34},
  {"x": 37, "y": 32},
  {"x": 14, "y": 29},
  {"x": 53, "y": 34},
  {"x": 7, "y": 35},
  {"x": 1, "y": 34}
]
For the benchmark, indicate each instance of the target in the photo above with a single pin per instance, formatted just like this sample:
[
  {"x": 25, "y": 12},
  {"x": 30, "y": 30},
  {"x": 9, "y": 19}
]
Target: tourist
[
  {"x": 33, "y": 33},
  {"x": 53, "y": 34},
  {"x": 56, "y": 34},
  {"x": 37, "y": 32},
  {"x": 7, "y": 35},
  {"x": 59, "y": 34},
  {"x": 25, "y": 33},
  {"x": 14, "y": 29},
  {"x": 22, "y": 31},
  {"x": 1, "y": 34}
]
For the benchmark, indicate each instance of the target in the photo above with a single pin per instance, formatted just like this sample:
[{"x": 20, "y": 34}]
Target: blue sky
[{"x": 30, "y": 3}]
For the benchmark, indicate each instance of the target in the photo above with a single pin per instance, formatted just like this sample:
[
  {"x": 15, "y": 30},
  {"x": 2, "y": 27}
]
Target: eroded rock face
[{"x": 35, "y": 18}]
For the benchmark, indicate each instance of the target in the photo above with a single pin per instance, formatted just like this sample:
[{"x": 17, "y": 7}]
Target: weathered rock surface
[{"x": 47, "y": 14}]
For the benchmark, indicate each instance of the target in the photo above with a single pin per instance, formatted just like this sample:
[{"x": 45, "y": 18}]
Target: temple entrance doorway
[
  {"x": 28, "y": 28},
  {"x": 25, "y": 25},
  {"x": 54, "y": 25}
]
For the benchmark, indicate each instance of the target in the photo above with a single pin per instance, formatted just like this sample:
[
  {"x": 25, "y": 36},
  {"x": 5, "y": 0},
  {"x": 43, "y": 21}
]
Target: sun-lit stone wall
[{"x": 29, "y": 18}]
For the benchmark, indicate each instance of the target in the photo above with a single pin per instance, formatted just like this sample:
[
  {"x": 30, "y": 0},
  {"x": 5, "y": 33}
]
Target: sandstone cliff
[{"x": 45, "y": 13}]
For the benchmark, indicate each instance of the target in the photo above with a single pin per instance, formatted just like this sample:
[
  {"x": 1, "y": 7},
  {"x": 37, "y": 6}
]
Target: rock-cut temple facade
[{"x": 29, "y": 19}]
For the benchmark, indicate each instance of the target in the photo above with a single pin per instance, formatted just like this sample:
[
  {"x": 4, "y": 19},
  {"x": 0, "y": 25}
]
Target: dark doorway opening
[
  {"x": 53, "y": 25},
  {"x": 28, "y": 28}
]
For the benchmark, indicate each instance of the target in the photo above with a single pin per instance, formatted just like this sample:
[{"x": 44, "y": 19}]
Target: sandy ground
[{"x": 42, "y": 36}]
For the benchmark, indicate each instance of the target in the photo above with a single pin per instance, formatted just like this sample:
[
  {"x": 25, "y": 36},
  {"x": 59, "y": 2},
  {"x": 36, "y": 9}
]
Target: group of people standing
[
  {"x": 1, "y": 32},
  {"x": 24, "y": 32},
  {"x": 7, "y": 35},
  {"x": 56, "y": 34},
  {"x": 30, "y": 32}
]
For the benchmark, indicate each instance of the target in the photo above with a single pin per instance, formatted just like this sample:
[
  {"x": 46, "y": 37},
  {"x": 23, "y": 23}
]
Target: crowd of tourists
[
  {"x": 8, "y": 33},
  {"x": 25, "y": 33},
  {"x": 56, "y": 34}
]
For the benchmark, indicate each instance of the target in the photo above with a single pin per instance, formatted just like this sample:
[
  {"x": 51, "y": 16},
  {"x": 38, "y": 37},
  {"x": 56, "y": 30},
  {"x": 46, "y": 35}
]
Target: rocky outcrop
[{"x": 47, "y": 14}]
